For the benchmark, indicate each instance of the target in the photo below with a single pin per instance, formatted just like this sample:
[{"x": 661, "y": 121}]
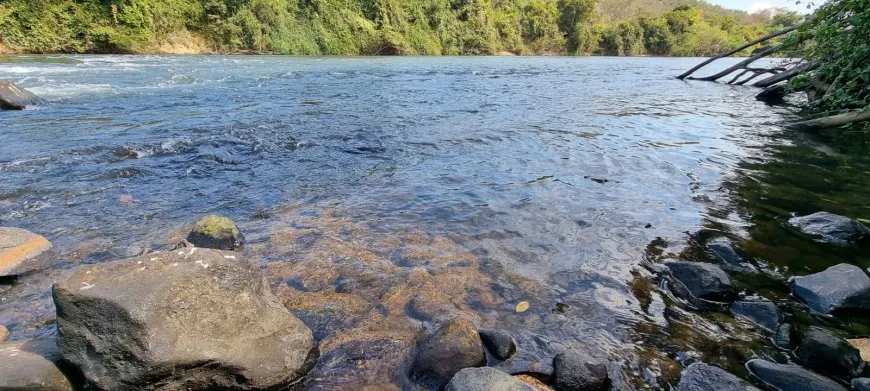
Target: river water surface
[{"x": 384, "y": 195}]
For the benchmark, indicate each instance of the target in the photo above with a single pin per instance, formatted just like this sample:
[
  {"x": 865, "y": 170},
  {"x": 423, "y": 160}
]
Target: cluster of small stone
[{"x": 827, "y": 360}]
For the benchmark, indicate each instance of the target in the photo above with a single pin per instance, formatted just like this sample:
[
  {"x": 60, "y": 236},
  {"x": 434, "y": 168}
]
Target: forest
[{"x": 381, "y": 27}]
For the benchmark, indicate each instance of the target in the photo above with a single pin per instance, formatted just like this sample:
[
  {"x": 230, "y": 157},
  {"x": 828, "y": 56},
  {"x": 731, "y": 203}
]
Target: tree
[{"x": 575, "y": 22}]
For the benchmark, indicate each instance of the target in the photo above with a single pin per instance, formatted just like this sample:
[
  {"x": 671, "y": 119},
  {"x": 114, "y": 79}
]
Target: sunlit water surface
[{"x": 384, "y": 195}]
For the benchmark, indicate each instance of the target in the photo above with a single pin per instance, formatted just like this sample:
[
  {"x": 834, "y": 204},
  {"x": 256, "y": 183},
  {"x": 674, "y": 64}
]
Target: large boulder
[
  {"x": 703, "y": 377},
  {"x": 829, "y": 353},
  {"x": 575, "y": 370},
  {"x": 831, "y": 228},
  {"x": 195, "y": 319},
  {"x": 485, "y": 379},
  {"x": 500, "y": 343},
  {"x": 840, "y": 287},
  {"x": 785, "y": 377},
  {"x": 762, "y": 313},
  {"x": 31, "y": 365},
  {"x": 13, "y": 97},
  {"x": 701, "y": 281},
  {"x": 455, "y": 346},
  {"x": 217, "y": 232},
  {"x": 18, "y": 249}
]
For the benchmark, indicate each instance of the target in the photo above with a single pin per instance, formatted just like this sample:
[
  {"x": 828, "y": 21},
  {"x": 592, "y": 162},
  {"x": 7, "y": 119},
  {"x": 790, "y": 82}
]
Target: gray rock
[
  {"x": 831, "y": 228},
  {"x": 485, "y": 379},
  {"x": 13, "y": 97},
  {"x": 519, "y": 367},
  {"x": 701, "y": 281},
  {"x": 193, "y": 319},
  {"x": 31, "y": 365},
  {"x": 703, "y": 377},
  {"x": 574, "y": 370},
  {"x": 784, "y": 377},
  {"x": 783, "y": 338},
  {"x": 455, "y": 346},
  {"x": 826, "y": 352},
  {"x": 840, "y": 287},
  {"x": 763, "y": 313},
  {"x": 861, "y": 384},
  {"x": 217, "y": 232},
  {"x": 500, "y": 343},
  {"x": 724, "y": 253},
  {"x": 19, "y": 250}
]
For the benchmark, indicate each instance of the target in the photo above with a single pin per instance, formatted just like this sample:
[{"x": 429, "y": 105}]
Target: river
[{"x": 383, "y": 195}]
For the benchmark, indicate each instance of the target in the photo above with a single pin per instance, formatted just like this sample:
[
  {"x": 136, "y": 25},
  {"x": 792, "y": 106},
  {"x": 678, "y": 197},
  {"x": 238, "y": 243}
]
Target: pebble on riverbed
[
  {"x": 216, "y": 232},
  {"x": 485, "y": 379},
  {"x": 762, "y": 313},
  {"x": 455, "y": 346},
  {"x": 575, "y": 370},
  {"x": 698, "y": 282},
  {"x": 703, "y": 377},
  {"x": 500, "y": 343}
]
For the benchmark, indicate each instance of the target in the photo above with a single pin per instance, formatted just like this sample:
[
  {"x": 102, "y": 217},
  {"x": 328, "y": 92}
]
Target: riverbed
[{"x": 384, "y": 195}]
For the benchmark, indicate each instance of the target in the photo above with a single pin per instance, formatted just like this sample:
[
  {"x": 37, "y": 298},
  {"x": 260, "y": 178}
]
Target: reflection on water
[{"x": 384, "y": 195}]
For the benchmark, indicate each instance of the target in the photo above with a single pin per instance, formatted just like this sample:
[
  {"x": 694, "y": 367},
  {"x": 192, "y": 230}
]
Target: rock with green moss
[{"x": 217, "y": 232}]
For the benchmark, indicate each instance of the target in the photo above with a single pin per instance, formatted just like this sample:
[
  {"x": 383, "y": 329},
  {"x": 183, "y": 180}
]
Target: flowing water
[{"x": 384, "y": 195}]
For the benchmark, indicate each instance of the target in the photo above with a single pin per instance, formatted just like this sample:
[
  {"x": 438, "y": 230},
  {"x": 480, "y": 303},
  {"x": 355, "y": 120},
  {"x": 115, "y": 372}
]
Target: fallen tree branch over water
[
  {"x": 832, "y": 121},
  {"x": 750, "y": 44}
]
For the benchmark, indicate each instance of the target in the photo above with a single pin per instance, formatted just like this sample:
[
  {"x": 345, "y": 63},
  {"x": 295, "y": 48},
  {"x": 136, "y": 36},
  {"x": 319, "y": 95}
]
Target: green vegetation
[
  {"x": 837, "y": 40},
  {"x": 351, "y": 27}
]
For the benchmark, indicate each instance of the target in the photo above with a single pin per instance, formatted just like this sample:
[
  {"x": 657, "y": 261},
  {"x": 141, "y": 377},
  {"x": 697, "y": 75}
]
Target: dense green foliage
[
  {"x": 838, "y": 39},
  {"x": 373, "y": 26}
]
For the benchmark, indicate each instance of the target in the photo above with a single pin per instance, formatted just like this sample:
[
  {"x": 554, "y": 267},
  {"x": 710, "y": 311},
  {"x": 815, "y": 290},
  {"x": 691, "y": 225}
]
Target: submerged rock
[
  {"x": 783, "y": 337},
  {"x": 18, "y": 249},
  {"x": 784, "y": 377},
  {"x": 195, "y": 319},
  {"x": 574, "y": 370},
  {"x": 485, "y": 379},
  {"x": 32, "y": 365},
  {"x": 500, "y": 343},
  {"x": 217, "y": 232},
  {"x": 704, "y": 281},
  {"x": 455, "y": 346},
  {"x": 840, "y": 287},
  {"x": 828, "y": 353},
  {"x": 703, "y": 377},
  {"x": 517, "y": 367},
  {"x": 13, "y": 97},
  {"x": 861, "y": 384},
  {"x": 762, "y": 313},
  {"x": 724, "y": 253},
  {"x": 831, "y": 228}
]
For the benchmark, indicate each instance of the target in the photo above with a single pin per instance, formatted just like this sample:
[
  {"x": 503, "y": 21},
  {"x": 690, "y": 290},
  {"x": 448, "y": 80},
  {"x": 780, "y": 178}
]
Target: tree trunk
[
  {"x": 755, "y": 42},
  {"x": 787, "y": 75},
  {"x": 741, "y": 65},
  {"x": 832, "y": 121}
]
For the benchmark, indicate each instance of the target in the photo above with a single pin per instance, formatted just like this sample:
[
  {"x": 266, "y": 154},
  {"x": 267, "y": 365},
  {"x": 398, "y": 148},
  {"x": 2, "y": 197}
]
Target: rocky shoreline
[{"x": 171, "y": 320}]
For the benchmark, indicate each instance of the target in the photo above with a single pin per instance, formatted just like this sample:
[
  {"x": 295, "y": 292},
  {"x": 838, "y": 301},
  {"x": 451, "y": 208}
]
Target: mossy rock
[{"x": 217, "y": 232}]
